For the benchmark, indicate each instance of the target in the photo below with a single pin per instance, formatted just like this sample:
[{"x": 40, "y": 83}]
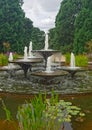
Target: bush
[
  {"x": 81, "y": 60},
  {"x": 3, "y": 60}
]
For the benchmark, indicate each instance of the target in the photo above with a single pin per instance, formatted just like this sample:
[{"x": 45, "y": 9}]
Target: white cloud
[{"x": 42, "y": 12}]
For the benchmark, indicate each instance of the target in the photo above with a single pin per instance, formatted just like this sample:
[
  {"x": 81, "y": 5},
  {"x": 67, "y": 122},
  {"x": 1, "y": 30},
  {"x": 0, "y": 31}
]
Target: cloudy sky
[{"x": 42, "y": 12}]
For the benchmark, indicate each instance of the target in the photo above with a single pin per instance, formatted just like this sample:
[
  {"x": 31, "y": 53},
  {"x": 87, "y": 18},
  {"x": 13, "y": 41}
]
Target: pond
[
  {"x": 65, "y": 84},
  {"x": 84, "y": 101},
  {"x": 14, "y": 91}
]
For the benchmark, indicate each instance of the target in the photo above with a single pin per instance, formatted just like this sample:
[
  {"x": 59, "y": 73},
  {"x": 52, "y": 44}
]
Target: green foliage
[
  {"x": 11, "y": 22},
  {"x": 67, "y": 57},
  {"x": 80, "y": 60},
  {"x": 64, "y": 31},
  {"x": 3, "y": 60},
  {"x": 73, "y": 26},
  {"x": 8, "y": 113},
  {"x": 83, "y": 32},
  {"x": 38, "y": 38},
  {"x": 46, "y": 114},
  {"x": 15, "y": 28}
]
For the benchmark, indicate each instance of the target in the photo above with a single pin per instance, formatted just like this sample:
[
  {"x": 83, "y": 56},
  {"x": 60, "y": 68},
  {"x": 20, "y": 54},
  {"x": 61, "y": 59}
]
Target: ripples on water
[{"x": 82, "y": 82}]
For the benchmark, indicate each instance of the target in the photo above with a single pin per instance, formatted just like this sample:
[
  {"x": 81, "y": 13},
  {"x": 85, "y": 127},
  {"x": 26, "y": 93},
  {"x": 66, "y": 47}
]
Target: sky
[{"x": 42, "y": 12}]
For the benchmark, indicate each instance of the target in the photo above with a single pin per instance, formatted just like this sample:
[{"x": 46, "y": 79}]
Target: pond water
[
  {"x": 84, "y": 101},
  {"x": 81, "y": 83},
  {"x": 14, "y": 91}
]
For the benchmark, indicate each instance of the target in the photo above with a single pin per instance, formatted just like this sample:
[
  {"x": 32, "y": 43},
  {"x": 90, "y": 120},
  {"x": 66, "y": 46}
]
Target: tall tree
[
  {"x": 11, "y": 23},
  {"x": 28, "y": 26},
  {"x": 83, "y": 25},
  {"x": 65, "y": 23},
  {"x": 37, "y": 38}
]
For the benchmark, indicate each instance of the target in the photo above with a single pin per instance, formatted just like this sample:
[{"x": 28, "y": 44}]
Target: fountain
[
  {"x": 10, "y": 65},
  {"x": 48, "y": 74},
  {"x": 10, "y": 57},
  {"x": 25, "y": 53},
  {"x": 46, "y": 52},
  {"x": 26, "y": 63},
  {"x": 46, "y": 42},
  {"x": 30, "y": 51},
  {"x": 72, "y": 61},
  {"x": 48, "y": 67},
  {"x": 72, "y": 69}
]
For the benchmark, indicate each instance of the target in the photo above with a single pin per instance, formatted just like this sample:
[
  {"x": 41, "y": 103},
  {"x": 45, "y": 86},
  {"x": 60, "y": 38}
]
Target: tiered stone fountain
[
  {"x": 46, "y": 52},
  {"x": 48, "y": 73},
  {"x": 72, "y": 69},
  {"x": 26, "y": 63}
]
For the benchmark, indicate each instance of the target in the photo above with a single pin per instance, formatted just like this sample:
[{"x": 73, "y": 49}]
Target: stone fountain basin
[
  {"x": 72, "y": 70},
  {"x": 68, "y": 68},
  {"x": 50, "y": 74}
]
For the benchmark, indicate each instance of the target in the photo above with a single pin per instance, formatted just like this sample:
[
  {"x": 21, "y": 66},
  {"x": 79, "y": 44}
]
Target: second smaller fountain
[
  {"x": 72, "y": 61},
  {"x": 72, "y": 69}
]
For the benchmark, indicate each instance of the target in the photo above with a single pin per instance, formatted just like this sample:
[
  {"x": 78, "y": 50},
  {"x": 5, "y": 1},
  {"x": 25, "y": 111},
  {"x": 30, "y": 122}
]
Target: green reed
[{"x": 43, "y": 113}]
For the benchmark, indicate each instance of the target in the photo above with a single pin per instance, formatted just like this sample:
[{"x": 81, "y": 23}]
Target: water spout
[
  {"x": 30, "y": 50},
  {"x": 25, "y": 53},
  {"x": 46, "y": 42},
  {"x": 10, "y": 57},
  {"x": 72, "y": 61},
  {"x": 10, "y": 65}
]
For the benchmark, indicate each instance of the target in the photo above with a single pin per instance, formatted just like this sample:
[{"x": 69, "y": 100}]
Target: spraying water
[
  {"x": 72, "y": 61},
  {"x": 46, "y": 42},
  {"x": 30, "y": 50},
  {"x": 10, "y": 57},
  {"x": 10, "y": 65},
  {"x": 25, "y": 53}
]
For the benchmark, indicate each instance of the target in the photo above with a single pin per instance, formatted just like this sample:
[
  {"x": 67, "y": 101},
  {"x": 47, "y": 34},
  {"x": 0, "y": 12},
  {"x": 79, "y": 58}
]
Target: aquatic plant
[{"x": 43, "y": 113}]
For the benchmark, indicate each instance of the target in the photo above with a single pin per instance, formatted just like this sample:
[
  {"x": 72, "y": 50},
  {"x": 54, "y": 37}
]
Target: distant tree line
[
  {"x": 73, "y": 27},
  {"x": 16, "y": 31}
]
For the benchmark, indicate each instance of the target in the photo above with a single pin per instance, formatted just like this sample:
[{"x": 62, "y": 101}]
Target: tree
[
  {"x": 37, "y": 38},
  {"x": 64, "y": 30},
  {"x": 11, "y": 23},
  {"x": 28, "y": 26},
  {"x": 83, "y": 25}
]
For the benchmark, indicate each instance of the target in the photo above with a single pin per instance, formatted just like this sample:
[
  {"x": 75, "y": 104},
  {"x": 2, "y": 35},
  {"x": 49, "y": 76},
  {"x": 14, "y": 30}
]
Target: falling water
[
  {"x": 48, "y": 68},
  {"x": 72, "y": 61}
]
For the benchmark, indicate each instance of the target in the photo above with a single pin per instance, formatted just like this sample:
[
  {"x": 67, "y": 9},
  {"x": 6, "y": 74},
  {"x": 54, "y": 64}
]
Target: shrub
[
  {"x": 67, "y": 56},
  {"x": 3, "y": 60},
  {"x": 81, "y": 60}
]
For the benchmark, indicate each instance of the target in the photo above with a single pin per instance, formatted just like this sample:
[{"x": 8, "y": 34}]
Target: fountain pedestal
[
  {"x": 49, "y": 76},
  {"x": 45, "y": 54},
  {"x": 26, "y": 64}
]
